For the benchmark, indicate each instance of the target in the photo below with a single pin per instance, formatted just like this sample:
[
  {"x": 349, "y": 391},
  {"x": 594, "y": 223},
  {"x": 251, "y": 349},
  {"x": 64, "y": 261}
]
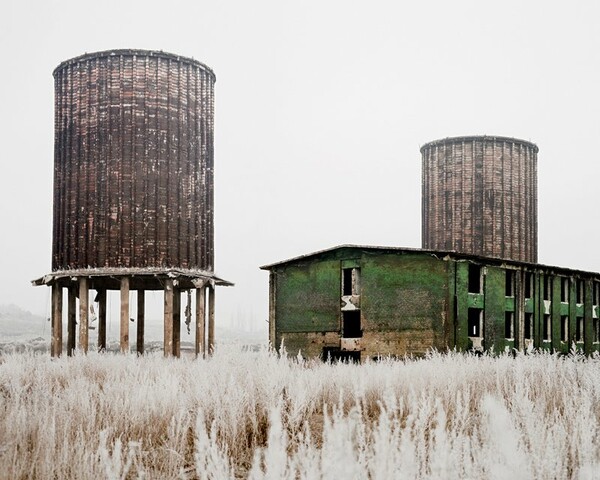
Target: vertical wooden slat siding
[
  {"x": 480, "y": 197},
  {"x": 133, "y": 162}
]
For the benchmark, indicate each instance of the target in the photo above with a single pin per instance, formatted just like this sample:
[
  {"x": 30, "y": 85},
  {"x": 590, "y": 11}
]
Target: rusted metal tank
[
  {"x": 480, "y": 197},
  {"x": 133, "y": 162}
]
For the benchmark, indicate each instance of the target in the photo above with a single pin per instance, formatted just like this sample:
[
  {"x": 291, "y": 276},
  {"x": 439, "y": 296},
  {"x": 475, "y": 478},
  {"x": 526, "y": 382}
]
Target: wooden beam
[
  {"x": 102, "y": 320},
  {"x": 141, "y": 319},
  {"x": 177, "y": 322},
  {"x": 168, "y": 319},
  {"x": 83, "y": 314},
  {"x": 211, "y": 319},
  {"x": 124, "y": 330},
  {"x": 56, "y": 343},
  {"x": 71, "y": 320},
  {"x": 200, "y": 321}
]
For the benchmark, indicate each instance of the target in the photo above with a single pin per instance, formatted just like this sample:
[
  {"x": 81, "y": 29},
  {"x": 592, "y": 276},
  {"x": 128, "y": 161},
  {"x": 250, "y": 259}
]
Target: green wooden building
[{"x": 358, "y": 302}]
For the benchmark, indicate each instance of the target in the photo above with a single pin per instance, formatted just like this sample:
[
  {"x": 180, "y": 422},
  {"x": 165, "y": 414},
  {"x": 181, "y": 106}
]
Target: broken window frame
[
  {"x": 564, "y": 328},
  {"x": 475, "y": 319},
  {"x": 509, "y": 325},
  {"x": 579, "y": 329},
  {"x": 547, "y": 328},
  {"x": 528, "y": 326}
]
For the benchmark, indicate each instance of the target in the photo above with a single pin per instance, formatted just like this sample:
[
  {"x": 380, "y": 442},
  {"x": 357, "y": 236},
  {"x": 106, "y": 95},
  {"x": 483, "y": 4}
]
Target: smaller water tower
[
  {"x": 480, "y": 197},
  {"x": 133, "y": 192}
]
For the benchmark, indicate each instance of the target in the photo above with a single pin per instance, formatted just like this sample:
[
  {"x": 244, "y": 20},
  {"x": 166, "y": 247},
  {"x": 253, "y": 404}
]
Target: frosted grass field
[{"x": 255, "y": 415}]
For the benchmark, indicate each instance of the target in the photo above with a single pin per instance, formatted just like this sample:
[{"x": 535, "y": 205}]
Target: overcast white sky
[{"x": 321, "y": 107}]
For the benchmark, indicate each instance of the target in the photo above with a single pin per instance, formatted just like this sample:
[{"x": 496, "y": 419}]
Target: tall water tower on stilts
[{"x": 133, "y": 193}]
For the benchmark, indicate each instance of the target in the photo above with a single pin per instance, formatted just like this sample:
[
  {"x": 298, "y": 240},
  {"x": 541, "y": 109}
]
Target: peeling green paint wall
[{"x": 411, "y": 302}]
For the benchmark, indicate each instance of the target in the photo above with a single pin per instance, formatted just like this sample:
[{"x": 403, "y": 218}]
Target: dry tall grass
[{"x": 255, "y": 415}]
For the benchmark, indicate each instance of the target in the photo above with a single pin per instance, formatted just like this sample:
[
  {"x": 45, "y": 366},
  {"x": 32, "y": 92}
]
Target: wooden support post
[
  {"x": 56, "y": 343},
  {"x": 101, "y": 320},
  {"x": 200, "y": 321},
  {"x": 211, "y": 319},
  {"x": 83, "y": 314},
  {"x": 124, "y": 330},
  {"x": 141, "y": 318},
  {"x": 168, "y": 318},
  {"x": 177, "y": 322},
  {"x": 71, "y": 320}
]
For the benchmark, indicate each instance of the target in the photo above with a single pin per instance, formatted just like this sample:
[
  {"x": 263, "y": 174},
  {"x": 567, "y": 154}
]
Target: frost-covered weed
[{"x": 261, "y": 416}]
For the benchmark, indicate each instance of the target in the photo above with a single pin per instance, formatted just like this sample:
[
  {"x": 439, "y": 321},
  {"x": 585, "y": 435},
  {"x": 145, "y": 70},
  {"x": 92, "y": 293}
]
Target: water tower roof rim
[
  {"x": 472, "y": 138},
  {"x": 129, "y": 52}
]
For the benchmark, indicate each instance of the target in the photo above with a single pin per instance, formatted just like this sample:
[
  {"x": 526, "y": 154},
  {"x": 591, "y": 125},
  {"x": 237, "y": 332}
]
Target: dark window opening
[
  {"x": 474, "y": 322},
  {"x": 509, "y": 325},
  {"x": 347, "y": 281},
  {"x": 351, "y": 324},
  {"x": 334, "y": 354},
  {"x": 564, "y": 289},
  {"x": 564, "y": 328},
  {"x": 510, "y": 284},
  {"x": 474, "y": 278},
  {"x": 580, "y": 291},
  {"x": 528, "y": 327},
  {"x": 579, "y": 329},
  {"x": 596, "y": 293},
  {"x": 547, "y": 287},
  {"x": 528, "y": 285},
  {"x": 547, "y": 327},
  {"x": 596, "y": 330}
]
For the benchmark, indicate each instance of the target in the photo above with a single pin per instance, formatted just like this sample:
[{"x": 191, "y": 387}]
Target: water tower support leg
[
  {"x": 56, "y": 345},
  {"x": 83, "y": 314},
  {"x": 200, "y": 321},
  {"x": 71, "y": 320},
  {"x": 141, "y": 318},
  {"x": 211, "y": 319},
  {"x": 168, "y": 318},
  {"x": 177, "y": 322},
  {"x": 102, "y": 321},
  {"x": 124, "y": 331}
]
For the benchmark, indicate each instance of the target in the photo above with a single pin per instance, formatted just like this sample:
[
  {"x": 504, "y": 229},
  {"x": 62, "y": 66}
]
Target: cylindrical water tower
[
  {"x": 480, "y": 197},
  {"x": 133, "y": 162},
  {"x": 133, "y": 184}
]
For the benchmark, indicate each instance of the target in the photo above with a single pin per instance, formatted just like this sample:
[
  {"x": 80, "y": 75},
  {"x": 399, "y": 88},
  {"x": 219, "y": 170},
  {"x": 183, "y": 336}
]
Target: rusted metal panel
[
  {"x": 133, "y": 162},
  {"x": 480, "y": 197}
]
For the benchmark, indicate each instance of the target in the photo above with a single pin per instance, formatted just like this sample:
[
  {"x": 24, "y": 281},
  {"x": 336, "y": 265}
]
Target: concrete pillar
[
  {"x": 71, "y": 320},
  {"x": 101, "y": 320},
  {"x": 124, "y": 330},
  {"x": 177, "y": 322},
  {"x": 141, "y": 319},
  {"x": 200, "y": 322},
  {"x": 211, "y": 319},
  {"x": 83, "y": 314},
  {"x": 56, "y": 343},
  {"x": 168, "y": 318}
]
